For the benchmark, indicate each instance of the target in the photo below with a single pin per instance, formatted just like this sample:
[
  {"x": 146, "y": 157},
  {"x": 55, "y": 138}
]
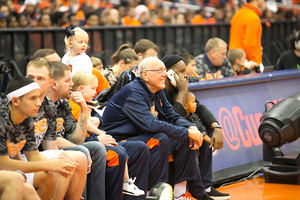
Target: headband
[
  {"x": 69, "y": 30},
  {"x": 23, "y": 90}
]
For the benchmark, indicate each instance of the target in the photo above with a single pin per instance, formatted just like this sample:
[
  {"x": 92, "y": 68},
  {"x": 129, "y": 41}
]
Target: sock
[
  {"x": 148, "y": 193},
  {"x": 208, "y": 189},
  {"x": 179, "y": 189}
]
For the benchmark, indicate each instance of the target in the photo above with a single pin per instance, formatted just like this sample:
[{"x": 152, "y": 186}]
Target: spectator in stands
[
  {"x": 3, "y": 20},
  {"x": 188, "y": 16},
  {"x": 213, "y": 64},
  {"x": 12, "y": 21},
  {"x": 191, "y": 69},
  {"x": 44, "y": 21},
  {"x": 17, "y": 109},
  {"x": 268, "y": 16},
  {"x": 123, "y": 59},
  {"x": 176, "y": 96},
  {"x": 59, "y": 19},
  {"x": 22, "y": 20},
  {"x": 142, "y": 13},
  {"x": 246, "y": 30},
  {"x": 145, "y": 48},
  {"x": 44, "y": 7},
  {"x": 92, "y": 19},
  {"x": 4, "y": 9},
  {"x": 14, "y": 186},
  {"x": 97, "y": 63},
  {"x": 29, "y": 9},
  {"x": 129, "y": 19},
  {"x": 200, "y": 17},
  {"x": 239, "y": 62},
  {"x": 180, "y": 19},
  {"x": 73, "y": 19},
  {"x": 290, "y": 59},
  {"x": 111, "y": 17},
  {"x": 153, "y": 122},
  {"x": 77, "y": 59}
]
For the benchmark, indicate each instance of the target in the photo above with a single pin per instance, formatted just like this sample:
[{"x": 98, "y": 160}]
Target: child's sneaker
[{"x": 131, "y": 189}]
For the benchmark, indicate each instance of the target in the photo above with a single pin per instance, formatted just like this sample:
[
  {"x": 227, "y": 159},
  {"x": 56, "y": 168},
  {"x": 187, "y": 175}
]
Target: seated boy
[
  {"x": 191, "y": 69},
  {"x": 240, "y": 65},
  {"x": 17, "y": 133}
]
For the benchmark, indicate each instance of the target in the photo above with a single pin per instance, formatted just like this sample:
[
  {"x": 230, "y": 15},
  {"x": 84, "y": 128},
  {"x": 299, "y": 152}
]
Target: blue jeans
[{"x": 95, "y": 185}]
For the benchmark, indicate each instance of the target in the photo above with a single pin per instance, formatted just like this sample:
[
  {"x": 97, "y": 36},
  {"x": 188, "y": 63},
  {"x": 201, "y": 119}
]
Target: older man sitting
[{"x": 140, "y": 111}]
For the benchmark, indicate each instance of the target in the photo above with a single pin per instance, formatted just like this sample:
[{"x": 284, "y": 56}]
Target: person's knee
[
  {"x": 44, "y": 179},
  {"x": 12, "y": 179}
]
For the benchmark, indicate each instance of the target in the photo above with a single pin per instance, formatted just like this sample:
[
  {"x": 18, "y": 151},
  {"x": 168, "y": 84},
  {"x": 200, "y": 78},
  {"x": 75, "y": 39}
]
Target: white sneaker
[{"x": 131, "y": 189}]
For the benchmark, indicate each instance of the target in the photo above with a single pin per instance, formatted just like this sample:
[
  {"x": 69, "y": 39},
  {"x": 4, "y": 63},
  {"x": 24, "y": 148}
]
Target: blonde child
[
  {"x": 76, "y": 41},
  {"x": 97, "y": 63},
  {"x": 86, "y": 84},
  {"x": 239, "y": 62},
  {"x": 190, "y": 107},
  {"x": 191, "y": 69}
]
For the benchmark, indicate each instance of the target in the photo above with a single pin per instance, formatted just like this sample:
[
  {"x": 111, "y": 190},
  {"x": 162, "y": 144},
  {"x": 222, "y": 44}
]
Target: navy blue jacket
[{"x": 128, "y": 114}]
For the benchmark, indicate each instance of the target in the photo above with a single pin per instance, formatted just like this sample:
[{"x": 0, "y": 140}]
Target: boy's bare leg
[
  {"x": 44, "y": 184},
  {"x": 77, "y": 182},
  {"x": 11, "y": 185},
  {"x": 30, "y": 193}
]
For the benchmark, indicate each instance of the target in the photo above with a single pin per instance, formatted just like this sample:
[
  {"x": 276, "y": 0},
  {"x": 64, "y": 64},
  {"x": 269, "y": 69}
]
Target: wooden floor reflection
[{"x": 257, "y": 189}]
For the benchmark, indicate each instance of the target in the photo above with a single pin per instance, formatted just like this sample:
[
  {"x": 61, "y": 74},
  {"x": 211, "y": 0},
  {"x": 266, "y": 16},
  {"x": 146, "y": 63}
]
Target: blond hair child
[
  {"x": 86, "y": 84},
  {"x": 239, "y": 62},
  {"x": 76, "y": 41},
  {"x": 97, "y": 63}
]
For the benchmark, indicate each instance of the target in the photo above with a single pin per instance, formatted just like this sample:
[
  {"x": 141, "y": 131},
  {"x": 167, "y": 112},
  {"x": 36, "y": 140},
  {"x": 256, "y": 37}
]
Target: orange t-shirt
[{"x": 102, "y": 82}]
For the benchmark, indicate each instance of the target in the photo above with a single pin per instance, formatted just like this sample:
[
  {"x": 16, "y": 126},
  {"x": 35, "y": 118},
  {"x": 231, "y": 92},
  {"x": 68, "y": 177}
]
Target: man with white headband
[
  {"x": 40, "y": 70},
  {"x": 17, "y": 133}
]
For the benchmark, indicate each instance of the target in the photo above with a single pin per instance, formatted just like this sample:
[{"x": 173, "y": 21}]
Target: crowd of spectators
[{"x": 55, "y": 13}]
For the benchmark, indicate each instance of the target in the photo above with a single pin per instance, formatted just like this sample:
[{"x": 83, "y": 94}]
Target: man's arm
[
  {"x": 78, "y": 136},
  {"x": 49, "y": 145}
]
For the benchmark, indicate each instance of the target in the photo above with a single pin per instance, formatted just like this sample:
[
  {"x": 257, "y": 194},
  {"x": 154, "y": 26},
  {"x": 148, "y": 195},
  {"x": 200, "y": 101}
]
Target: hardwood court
[{"x": 257, "y": 189}]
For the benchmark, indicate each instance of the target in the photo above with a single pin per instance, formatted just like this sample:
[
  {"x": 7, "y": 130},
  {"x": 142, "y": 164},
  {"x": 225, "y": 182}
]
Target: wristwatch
[{"x": 217, "y": 126}]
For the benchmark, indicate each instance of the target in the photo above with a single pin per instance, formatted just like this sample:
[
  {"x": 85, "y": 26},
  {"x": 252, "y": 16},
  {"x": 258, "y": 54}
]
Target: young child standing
[
  {"x": 86, "y": 84},
  {"x": 76, "y": 41}
]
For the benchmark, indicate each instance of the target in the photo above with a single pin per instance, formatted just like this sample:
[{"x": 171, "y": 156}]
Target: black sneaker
[
  {"x": 205, "y": 197},
  {"x": 216, "y": 195}
]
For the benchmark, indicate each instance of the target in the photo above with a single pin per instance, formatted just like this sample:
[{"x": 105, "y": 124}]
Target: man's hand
[
  {"x": 95, "y": 121},
  {"x": 78, "y": 98},
  {"x": 181, "y": 82},
  {"x": 107, "y": 140},
  {"x": 194, "y": 145},
  {"x": 195, "y": 135},
  {"x": 217, "y": 139},
  {"x": 62, "y": 166}
]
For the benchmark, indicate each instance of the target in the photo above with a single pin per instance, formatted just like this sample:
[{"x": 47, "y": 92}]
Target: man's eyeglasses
[{"x": 157, "y": 70}]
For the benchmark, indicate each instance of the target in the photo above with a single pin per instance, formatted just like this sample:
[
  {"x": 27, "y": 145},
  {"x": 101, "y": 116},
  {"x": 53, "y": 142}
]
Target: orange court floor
[{"x": 257, "y": 189}]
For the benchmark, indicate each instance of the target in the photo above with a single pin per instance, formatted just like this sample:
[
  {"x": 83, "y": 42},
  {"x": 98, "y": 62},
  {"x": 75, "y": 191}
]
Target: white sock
[
  {"x": 208, "y": 189},
  {"x": 179, "y": 189}
]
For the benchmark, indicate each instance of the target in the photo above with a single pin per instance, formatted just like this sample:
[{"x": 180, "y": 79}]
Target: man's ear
[
  {"x": 53, "y": 83},
  {"x": 140, "y": 56},
  {"x": 144, "y": 76},
  {"x": 15, "y": 101}
]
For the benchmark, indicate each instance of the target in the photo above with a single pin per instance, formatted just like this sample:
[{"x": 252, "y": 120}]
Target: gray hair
[
  {"x": 213, "y": 44},
  {"x": 145, "y": 63}
]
